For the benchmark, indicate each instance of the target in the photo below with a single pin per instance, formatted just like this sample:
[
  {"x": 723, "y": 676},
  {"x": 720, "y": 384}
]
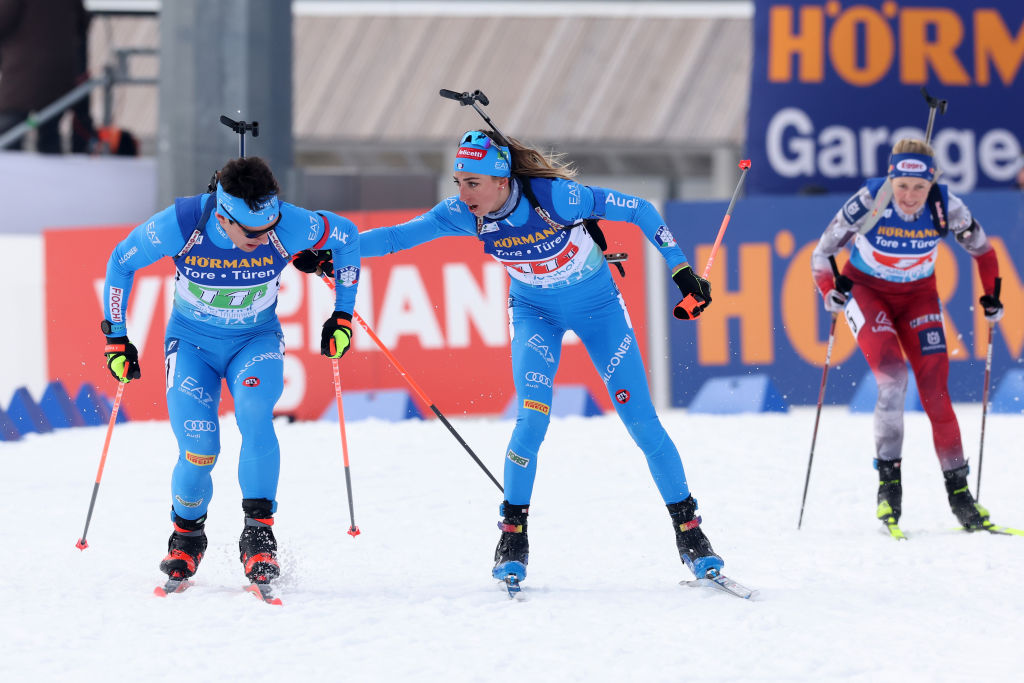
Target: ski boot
[
  {"x": 971, "y": 515},
  {"x": 890, "y": 491},
  {"x": 694, "y": 547},
  {"x": 513, "y": 551},
  {"x": 257, "y": 546},
  {"x": 185, "y": 548}
]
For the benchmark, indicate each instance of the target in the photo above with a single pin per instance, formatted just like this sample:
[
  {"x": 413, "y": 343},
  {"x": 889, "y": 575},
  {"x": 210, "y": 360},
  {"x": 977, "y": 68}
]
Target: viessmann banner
[
  {"x": 834, "y": 84},
  {"x": 439, "y": 308}
]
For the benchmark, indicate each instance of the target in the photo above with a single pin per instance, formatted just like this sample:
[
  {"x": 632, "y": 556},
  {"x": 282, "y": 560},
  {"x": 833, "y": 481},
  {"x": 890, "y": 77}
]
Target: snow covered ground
[{"x": 412, "y": 599}]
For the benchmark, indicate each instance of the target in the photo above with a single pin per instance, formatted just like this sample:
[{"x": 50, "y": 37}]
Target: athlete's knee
[
  {"x": 253, "y": 406},
  {"x": 531, "y": 425},
  {"x": 892, "y": 389},
  {"x": 648, "y": 433}
]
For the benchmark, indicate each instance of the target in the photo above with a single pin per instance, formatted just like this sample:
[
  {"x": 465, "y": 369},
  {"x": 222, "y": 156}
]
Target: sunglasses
[{"x": 250, "y": 234}]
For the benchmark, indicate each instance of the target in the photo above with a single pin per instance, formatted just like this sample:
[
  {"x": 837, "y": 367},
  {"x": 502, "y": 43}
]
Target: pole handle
[{"x": 689, "y": 303}]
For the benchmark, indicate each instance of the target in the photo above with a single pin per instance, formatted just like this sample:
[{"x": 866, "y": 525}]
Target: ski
[
  {"x": 894, "y": 530},
  {"x": 264, "y": 592},
  {"x": 511, "y": 583},
  {"x": 173, "y": 585},
  {"x": 996, "y": 529},
  {"x": 719, "y": 581}
]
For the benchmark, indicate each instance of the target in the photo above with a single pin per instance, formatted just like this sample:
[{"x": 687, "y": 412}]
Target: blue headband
[
  {"x": 479, "y": 154},
  {"x": 912, "y": 165},
  {"x": 237, "y": 210}
]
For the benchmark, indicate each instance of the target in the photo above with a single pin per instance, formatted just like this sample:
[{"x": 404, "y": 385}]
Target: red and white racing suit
[{"x": 894, "y": 310}]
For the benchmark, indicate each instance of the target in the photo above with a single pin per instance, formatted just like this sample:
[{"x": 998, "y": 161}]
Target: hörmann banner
[
  {"x": 766, "y": 316},
  {"x": 834, "y": 84}
]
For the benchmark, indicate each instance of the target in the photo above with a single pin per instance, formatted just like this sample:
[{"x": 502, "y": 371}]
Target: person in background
[
  {"x": 229, "y": 248},
  {"x": 530, "y": 215},
  {"x": 887, "y": 293},
  {"x": 39, "y": 62}
]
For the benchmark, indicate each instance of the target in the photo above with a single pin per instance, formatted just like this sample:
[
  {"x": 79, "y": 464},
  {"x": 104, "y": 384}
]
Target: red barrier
[{"x": 440, "y": 308}]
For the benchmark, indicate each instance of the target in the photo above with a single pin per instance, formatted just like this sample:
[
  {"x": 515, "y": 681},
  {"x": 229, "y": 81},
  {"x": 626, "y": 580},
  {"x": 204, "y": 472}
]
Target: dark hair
[
  {"x": 250, "y": 179},
  {"x": 529, "y": 161}
]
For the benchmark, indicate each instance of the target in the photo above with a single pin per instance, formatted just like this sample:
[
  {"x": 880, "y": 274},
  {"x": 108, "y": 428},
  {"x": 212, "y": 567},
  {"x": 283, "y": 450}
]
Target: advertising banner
[
  {"x": 767, "y": 317},
  {"x": 439, "y": 308},
  {"x": 835, "y": 84}
]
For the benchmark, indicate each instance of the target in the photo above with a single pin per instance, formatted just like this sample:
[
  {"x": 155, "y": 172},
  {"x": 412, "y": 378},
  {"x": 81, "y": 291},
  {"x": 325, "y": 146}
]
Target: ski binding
[
  {"x": 719, "y": 581},
  {"x": 264, "y": 592},
  {"x": 175, "y": 584}
]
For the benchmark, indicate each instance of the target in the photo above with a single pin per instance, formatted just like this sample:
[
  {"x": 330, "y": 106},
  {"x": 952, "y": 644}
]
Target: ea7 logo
[
  {"x": 151, "y": 232},
  {"x": 622, "y": 396},
  {"x": 251, "y": 381}
]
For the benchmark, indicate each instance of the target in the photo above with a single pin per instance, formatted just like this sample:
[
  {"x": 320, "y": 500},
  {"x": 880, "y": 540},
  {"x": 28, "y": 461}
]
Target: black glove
[
  {"x": 122, "y": 359},
  {"x": 835, "y": 299},
  {"x": 696, "y": 294},
  {"x": 992, "y": 305},
  {"x": 336, "y": 336},
  {"x": 314, "y": 262}
]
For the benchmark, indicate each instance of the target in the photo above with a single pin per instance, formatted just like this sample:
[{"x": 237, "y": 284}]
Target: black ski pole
[
  {"x": 984, "y": 392},
  {"x": 821, "y": 396}
]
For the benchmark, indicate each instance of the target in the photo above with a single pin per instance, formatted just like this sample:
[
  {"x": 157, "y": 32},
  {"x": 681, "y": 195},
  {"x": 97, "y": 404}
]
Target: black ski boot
[
  {"x": 971, "y": 515},
  {"x": 185, "y": 547},
  {"x": 694, "y": 547},
  {"x": 257, "y": 546},
  {"x": 890, "y": 491},
  {"x": 513, "y": 551}
]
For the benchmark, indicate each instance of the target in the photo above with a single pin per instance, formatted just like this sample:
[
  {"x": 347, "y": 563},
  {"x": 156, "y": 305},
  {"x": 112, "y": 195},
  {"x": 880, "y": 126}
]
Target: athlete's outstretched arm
[
  {"x": 450, "y": 217},
  {"x": 573, "y": 200}
]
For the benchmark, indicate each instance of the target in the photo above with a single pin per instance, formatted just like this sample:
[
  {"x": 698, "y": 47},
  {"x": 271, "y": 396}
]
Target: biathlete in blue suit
[
  {"x": 229, "y": 248},
  {"x": 529, "y": 214}
]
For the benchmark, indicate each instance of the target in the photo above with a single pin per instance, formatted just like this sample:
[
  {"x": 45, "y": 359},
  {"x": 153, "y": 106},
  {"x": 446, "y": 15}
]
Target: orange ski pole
[
  {"x": 82, "y": 544},
  {"x": 689, "y": 304},
  {"x": 416, "y": 388}
]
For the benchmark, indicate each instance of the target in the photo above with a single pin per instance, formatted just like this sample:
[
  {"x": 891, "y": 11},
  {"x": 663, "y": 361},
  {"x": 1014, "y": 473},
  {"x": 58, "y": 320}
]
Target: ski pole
[
  {"x": 416, "y": 388},
  {"x": 690, "y": 303},
  {"x": 353, "y": 530},
  {"x": 82, "y": 544},
  {"x": 984, "y": 393},
  {"x": 821, "y": 399}
]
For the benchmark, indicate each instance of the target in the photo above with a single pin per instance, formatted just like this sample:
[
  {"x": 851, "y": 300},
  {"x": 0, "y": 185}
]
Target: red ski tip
[
  {"x": 745, "y": 164},
  {"x": 353, "y": 531},
  {"x": 81, "y": 545}
]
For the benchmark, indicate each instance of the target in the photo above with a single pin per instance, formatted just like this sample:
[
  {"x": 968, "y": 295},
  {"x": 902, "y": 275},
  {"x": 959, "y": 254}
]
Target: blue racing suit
[
  {"x": 560, "y": 281},
  {"x": 224, "y": 325}
]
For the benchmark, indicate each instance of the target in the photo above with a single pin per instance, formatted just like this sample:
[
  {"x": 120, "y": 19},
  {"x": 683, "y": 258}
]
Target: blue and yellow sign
[{"x": 835, "y": 84}]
